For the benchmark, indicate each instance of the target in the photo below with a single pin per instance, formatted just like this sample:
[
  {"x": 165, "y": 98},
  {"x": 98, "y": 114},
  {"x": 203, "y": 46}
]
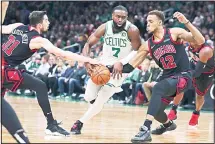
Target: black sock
[
  {"x": 148, "y": 123},
  {"x": 49, "y": 117},
  {"x": 92, "y": 101},
  {"x": 196, "y": 112},
  {"x": 174, "y": 107},
  {"x": 79, "y": 122},
  {"x": 168, "y": 124}
]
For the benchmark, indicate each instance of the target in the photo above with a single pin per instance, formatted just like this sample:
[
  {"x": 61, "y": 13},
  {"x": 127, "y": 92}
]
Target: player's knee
[
  {"x": 90, "y": 96},
  {"x": 157, "y": 87},
  {"x": 40, "y": 86}
]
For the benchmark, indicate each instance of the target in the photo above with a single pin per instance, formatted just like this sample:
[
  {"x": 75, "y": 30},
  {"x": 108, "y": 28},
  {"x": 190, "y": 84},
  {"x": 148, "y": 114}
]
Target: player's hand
[
  {"x": 89, "y": 68},
  {"x": 181, "y": 18},
  {"x": 117, "y": 70}
]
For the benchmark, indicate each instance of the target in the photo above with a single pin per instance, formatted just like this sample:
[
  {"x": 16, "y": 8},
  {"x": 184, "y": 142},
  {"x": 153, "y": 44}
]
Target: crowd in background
[{"x": 73, "y": 22}]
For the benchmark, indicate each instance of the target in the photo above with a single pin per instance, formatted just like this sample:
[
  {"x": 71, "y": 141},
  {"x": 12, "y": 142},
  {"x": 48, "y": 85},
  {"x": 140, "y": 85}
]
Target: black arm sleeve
[{"x": 199, "y": 69}]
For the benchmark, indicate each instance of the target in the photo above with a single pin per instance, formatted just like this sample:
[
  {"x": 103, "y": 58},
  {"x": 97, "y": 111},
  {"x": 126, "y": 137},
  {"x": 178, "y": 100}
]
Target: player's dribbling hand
[
  {"x": 117, "y": 70},
  {"x": 181, "y": 18}
]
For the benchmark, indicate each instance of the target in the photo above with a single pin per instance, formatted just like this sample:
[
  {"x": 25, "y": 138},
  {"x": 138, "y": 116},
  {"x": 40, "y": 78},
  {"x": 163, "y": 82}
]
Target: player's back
[
  {"x": 169, "y": 55},
  {"x": 16, "y": 47},
  {"x": 116, "y": 45}
]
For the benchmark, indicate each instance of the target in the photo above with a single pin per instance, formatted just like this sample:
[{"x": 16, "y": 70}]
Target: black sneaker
[
  {"x": 76, "y": 128},
  {"x": 161, "y": 129},
  {"x": 54, "y": 129},
  {"x": 143, "y": 135}
]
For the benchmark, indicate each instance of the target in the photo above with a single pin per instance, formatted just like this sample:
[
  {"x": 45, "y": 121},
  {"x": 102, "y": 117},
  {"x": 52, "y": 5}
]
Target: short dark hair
[
  {"x": 120, "y": 7},
  {"x": 36, "y": 17},
  {"x": 159, "y": 14}
]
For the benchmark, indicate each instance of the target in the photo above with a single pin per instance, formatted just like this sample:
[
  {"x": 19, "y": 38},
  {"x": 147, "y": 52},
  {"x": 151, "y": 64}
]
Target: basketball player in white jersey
[{"x": 121, "y": 41}]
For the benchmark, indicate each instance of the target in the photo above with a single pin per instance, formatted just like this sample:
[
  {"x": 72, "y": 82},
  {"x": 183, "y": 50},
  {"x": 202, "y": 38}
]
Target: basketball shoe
[
  {"x": 76, "y": 128},
  {"x": 172, "y": 114},
  {"x": 194, "y": 120},
  {"x": 164, "y": 127},
  {"x": 143, "y": 135},
  {"x": 54, "y": 129}
]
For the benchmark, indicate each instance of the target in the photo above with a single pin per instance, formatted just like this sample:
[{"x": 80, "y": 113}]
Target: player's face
[
  {"x": 153, "y": 22},
  {"x": 45, "y": 23},
  {"x": 119, "y": 18}
]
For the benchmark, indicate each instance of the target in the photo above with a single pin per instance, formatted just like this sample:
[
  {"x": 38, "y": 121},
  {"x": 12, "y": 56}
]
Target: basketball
[{"x": 100, "y": 75}]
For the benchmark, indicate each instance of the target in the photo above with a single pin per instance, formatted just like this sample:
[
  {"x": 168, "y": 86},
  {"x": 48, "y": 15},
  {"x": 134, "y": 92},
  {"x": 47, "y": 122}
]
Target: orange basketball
[{"x": 100, "y": 75}]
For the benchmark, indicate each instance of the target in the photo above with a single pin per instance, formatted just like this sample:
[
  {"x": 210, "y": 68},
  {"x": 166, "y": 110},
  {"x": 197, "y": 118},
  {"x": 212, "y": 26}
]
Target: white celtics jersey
[{"x": 116, "y": 45}]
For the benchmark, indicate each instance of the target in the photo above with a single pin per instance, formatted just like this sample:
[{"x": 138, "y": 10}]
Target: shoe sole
[
  {"x": 48, "y": 132},
  {"x": 194, "y": 127},
  {"x": 75, "y": 133},
  {"x": 139, "y": 141}
]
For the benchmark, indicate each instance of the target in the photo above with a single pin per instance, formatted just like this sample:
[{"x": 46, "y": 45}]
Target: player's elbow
[{"x": 201, "y": 40}]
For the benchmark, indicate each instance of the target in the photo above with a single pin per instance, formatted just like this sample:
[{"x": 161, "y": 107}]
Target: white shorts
[{"x": 114, "y": 85}]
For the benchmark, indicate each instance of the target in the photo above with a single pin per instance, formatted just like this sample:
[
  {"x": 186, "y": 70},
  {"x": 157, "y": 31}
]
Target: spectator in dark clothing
[
  {"x": 77, "y": 79},
  {"x": 64, "y": 78}
]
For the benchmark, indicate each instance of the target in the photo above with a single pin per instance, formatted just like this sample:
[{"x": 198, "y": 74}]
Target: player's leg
[
  {"x": 166, "y": 125},
  {"x": 11, "y": 122},
  {"x": 202, "y": 85},
  {"x": 90, "y": 96},
  {"x": 173, "y": 112},
  {"x": 103, "y": 96},
  {"x": 165, "y": 88},
  {"x": 32, "y": 83},
  {"x": 27, "y": 81}
]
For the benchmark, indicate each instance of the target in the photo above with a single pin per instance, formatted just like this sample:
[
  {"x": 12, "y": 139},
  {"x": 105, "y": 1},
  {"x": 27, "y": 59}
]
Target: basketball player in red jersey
[
  {"x": 166, "y": 48},
  {"x": 203, "y": 59},
  {"x": 23, "y": 41},
  {"x": 9, "y": 118}
]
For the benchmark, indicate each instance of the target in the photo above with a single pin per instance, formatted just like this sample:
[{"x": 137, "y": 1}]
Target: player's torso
[
  {"x": 209, "y": 68},
  {"x": 116, "y": 45},
  {"x": 169, "y": 55},
  {"x": 16, "y": 47}
]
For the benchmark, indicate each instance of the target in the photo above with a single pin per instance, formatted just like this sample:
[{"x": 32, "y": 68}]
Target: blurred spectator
[
  {"x": 64, "y": 78},
  {"x": 77, "y": 80},
  {"x": 43, "y": 70}
]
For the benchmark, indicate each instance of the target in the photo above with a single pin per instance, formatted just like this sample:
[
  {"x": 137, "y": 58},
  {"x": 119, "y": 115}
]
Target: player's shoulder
[
  {"x": 206, "y": 49},
  {"x": 132, "y": 27}
]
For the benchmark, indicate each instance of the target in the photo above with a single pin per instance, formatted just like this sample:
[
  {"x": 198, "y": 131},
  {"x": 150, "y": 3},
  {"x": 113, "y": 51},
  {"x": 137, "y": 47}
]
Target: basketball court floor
[{"x": 115, "y": 124}]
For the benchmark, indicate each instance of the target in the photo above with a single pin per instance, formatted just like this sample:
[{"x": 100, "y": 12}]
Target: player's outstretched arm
[
  {"x": 40, "y": 42},
  {"x": 204, "y": 55},
  {"x": 137, "y": 59},
  {"x": 140, "y": 56},
  {"x": 7, "y": 29},
  {"x": 93, "y": 39},
  {"x": 4, "y": 10},
  {"x": 194, "y": 35}
]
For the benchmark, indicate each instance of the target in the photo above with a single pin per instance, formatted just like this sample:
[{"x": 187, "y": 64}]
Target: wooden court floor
[{"x": 115, "y": 124}]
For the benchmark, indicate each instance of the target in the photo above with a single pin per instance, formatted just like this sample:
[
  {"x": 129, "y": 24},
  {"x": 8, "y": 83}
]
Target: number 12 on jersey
[
  {"x": 168, "y": 62},
  {"x": 116, "y": 50}
]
